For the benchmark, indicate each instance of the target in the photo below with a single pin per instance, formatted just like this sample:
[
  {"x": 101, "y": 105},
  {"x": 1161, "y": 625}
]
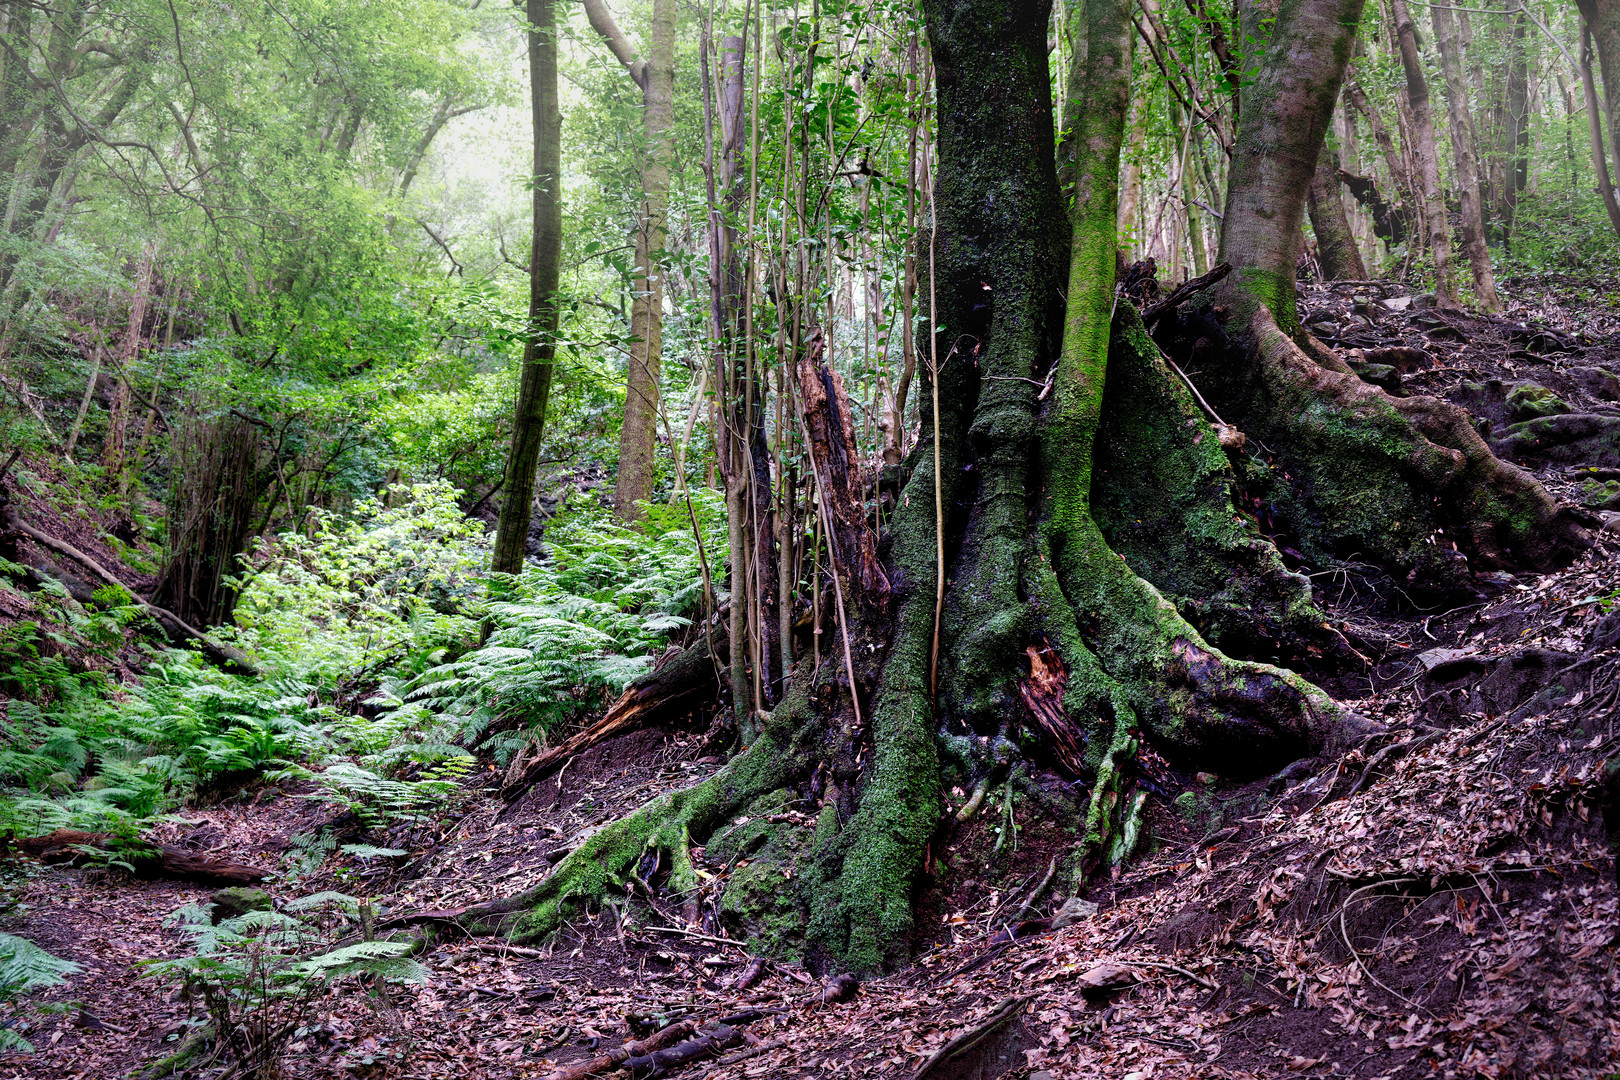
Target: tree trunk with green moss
[
  {"x": 545, "y": 257},
  {"x": 1101, "y": 592},
  {"x": 1352, "y": 475}
]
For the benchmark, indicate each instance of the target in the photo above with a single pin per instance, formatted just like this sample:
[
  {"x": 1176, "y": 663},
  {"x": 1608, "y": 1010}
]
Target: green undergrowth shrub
[
  {"x": 255, "y": 977},
  {"x": 372, "y": 684},
  {"x": 392, "y": 584},
  {"x": 575, "y": 629}
]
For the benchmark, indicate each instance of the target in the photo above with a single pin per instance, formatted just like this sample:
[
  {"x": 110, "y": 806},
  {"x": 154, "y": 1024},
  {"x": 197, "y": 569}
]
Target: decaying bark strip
[
  {"x": 832, "y": 451},
  {"x": 1042, "y": 691}
]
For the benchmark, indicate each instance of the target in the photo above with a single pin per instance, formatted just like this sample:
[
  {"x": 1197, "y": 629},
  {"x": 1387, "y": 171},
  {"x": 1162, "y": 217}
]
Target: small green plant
[
  {"x": 255, "y": 976},
  {"x": 25, "y": 968}
]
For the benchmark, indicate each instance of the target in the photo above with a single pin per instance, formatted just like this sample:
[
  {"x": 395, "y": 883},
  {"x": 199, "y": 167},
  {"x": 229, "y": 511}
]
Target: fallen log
[
  {"x": 707, "y": 1044},
  {"x": 974, "y": 1035},
  {"x": 658, "y": 1040},
  {"x": 74, "y": 847},
  {"x": 687, "y": 679}
]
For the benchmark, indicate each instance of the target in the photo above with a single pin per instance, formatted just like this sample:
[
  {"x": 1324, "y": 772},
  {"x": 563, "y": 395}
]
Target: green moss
[
  {"x": 669, "y": 825},
  {"x": 1162, "y": 494},
  {"x": 1601, "y": 495},
  {"x": 1527, "y": 401}
]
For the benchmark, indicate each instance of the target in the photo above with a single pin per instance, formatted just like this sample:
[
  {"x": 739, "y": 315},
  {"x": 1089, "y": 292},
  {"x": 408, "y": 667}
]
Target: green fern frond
[{"x": 25, "y": 967}]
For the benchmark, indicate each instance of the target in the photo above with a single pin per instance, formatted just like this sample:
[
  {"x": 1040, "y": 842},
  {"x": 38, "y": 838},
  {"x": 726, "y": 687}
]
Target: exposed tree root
[
  {"x": 1405, "y": 482},
  {"x": 1162, "y": 493}
]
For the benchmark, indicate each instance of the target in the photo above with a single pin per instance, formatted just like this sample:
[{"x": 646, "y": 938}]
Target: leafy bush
[{"x": 367, "y": 590}]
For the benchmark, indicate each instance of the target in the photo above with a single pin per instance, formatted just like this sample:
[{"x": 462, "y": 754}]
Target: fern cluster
[
  {"x": 580, "y": 625},
  {"x": 25, "y": 968},
  {"x": 374, "y": 688},
  {"x": 257, "y": 974}
]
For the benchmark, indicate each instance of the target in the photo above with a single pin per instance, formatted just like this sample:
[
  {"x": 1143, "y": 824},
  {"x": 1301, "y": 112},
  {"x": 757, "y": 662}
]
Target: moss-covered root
[
  {"x": 859, "y": 881},
  {"x": 1162, "y": 493},
  {"x": 665, "y": 827},
  {"x": 1366, "y": 468}
]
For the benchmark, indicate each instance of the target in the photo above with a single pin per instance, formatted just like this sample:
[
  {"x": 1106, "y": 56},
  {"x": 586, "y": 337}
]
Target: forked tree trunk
[
  {"x": 540, "y": 341},
  {"x": 1436, "y": 223},
  {"x": 1027, "y": 565},
  {"x": 1335, "y": 244},
  {"x": 1471, "y": 236},
  {"x": 1046, "y": 633},
  {"x": 655, "y": 76}
]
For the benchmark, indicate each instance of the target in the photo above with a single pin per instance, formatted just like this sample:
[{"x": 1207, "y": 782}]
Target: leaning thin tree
[{"x": 1047, "y": 424}]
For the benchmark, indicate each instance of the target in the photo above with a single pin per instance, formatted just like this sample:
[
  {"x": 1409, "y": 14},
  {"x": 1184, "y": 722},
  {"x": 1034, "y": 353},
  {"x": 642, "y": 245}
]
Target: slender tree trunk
[
  {"x": 1131, "y": 240},
  {"x": 1510, "y": 167},
  {"x": 1192, "y": 217},
  {"x": 1436, "y": 222},
  {"x": 112, "y": 449},
  {"x": 1399, "y": 177},
  {"x": 540, "y": 344},
  {"x": 1594, "y": 118},
  {"x": 84, "y": 403},
  {"x": 723, "y": 116},
  {"x": 1335, "y": 244},
  {"x": 908, "y": 289},
  {"x": 1602, "y": 17},
  {"x": 1471, "y": 235},
  {"x": 638, "y": 435}
]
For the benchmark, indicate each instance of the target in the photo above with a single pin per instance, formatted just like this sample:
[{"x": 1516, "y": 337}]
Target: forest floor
[{"x": 1442, "y": 901}]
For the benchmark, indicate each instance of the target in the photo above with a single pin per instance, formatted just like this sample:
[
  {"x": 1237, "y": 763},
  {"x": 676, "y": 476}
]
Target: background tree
[{"x": 545, "y": 256}]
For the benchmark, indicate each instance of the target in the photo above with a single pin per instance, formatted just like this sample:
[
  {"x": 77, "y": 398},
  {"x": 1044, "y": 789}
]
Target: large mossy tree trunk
[
  {"x": 1064, "y": 630},
  {"x": 1034, "y": 593},
  {"x": 1353, "y": 474}
]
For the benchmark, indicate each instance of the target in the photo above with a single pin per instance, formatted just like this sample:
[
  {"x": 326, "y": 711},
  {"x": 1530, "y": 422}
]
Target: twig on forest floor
[
  {"x": 1178, "y": 969},
  {"x": 500, "y": 948},
  {"x": 1395, "y": 750},
  {"x": 1035, "y": 894},
  {"x": 699, "y": 936}
]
